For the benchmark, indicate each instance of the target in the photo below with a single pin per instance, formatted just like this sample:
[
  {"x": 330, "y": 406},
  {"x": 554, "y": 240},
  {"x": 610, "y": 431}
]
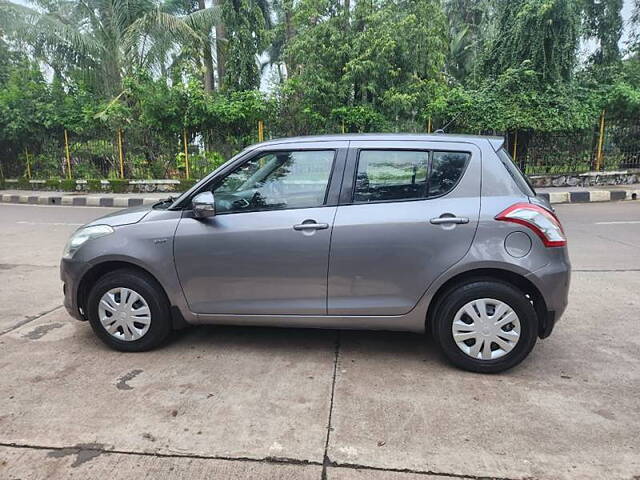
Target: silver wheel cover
[
  {"x": 486, "y": 329},
  {"x": 124, "y": 314}
]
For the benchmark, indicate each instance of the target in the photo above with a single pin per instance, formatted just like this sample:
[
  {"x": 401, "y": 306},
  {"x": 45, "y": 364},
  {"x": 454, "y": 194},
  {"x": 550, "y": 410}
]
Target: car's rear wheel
[
  {"x": 129, "y": 311},
  {"x": 485, "y": 326}
]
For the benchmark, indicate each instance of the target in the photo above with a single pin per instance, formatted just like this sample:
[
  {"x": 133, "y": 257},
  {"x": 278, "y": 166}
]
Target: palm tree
[{"x": 104, "y": 39}]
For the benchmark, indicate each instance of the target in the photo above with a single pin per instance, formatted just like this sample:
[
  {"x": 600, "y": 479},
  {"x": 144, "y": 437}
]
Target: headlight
[{"x": 82, "y": 235}]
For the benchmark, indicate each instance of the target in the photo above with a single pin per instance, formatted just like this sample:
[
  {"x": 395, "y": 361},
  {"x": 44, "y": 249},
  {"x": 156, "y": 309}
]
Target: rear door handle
[
  {"x": 449, "y": 220},
  {"x": 311, "y": 226}
]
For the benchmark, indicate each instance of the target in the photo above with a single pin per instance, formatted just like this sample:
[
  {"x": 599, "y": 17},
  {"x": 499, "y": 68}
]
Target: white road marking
[
  {"x": 625, "y": 222},
  {"x": 50, "y": 223}
]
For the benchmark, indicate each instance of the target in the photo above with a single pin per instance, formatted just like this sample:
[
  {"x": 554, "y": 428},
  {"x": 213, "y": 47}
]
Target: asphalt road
[{"x": 227, "y": 402}]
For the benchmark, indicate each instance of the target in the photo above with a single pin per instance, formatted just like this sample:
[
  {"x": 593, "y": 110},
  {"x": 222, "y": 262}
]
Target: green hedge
[
  {"x": 94, "y": 185},
  {"x": 186, "y": 185},
  {"x": 52, "y": 184},
  {"x": 23, "y": 184},
  {"x": 68, "y": 185},
  {"x": 118, "y": 186}
]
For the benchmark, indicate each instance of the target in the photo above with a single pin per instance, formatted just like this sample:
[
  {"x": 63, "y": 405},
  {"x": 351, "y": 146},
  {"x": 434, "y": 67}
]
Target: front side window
[
  {"x": 276, "y": 180},
  {"x": 389, "y": 175}
]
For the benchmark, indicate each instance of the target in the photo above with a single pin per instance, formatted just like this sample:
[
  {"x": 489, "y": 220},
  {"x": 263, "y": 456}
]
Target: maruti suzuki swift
[{"x": 422, "y": 233}]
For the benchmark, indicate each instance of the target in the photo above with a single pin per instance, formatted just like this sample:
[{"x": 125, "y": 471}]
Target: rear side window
[
  {"x": 446, "y": 170},
  {"x": 518, "y": 177},
  {"x": 391, "y": 175},
  {"x": 388, "y": 175}
]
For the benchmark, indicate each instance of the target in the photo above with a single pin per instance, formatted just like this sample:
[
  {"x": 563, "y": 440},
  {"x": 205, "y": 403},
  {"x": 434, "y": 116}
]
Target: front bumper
[{"x": 70, "y": 273}]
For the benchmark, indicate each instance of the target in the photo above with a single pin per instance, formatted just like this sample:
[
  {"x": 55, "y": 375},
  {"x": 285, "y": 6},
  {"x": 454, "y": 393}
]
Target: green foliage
[
  {"x": 94, "y": 185},
  {"x": 385, "y": 56},
  {"x": 99, "y": 42},
  {"x": 361, "y": 118},
  {"x": 544, "y": 33},
  {"x": 68, "y": 185},
  {"x": 186, "y": 185},
  {"x": 52, "y": 184},
  {"x": 245, "y": 24},
  {"x": 603, "y": 22},
  {"x": 470, "y": 28},
  {"x": 118, "y": 185},
  {"x": 362, "y": 65},
  {"x": 23, "y": 184},
  {"x": 520, "y": 99}
]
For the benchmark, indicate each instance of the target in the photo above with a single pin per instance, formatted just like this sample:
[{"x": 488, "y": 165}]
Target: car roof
[{"x": 496, "y": 142}]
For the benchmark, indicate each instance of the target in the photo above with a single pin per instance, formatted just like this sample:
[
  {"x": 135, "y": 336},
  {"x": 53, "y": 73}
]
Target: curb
[
  {"x": 77, "y": 201},
  {"x": 587, "y": 196},
  {"x": 591, "y": 196}
]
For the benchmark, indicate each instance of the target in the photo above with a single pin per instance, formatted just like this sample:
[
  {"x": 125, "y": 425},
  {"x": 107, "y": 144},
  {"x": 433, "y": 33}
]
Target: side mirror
[{"x": 203, "y": 205}]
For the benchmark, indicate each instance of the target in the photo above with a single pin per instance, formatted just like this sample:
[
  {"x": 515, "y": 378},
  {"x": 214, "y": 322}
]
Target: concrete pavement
[{"x": 231, "y": 402}]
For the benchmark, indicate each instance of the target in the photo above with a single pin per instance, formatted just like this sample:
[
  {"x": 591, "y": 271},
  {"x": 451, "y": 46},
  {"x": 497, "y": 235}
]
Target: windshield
[{"x": 518, "y": 177}]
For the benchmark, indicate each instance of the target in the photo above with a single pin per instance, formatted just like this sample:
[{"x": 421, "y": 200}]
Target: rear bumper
[
  {"x": 70, "y": 273},
  {"x": 553, "y": 281},
  {"x": 546, "y": 324}
]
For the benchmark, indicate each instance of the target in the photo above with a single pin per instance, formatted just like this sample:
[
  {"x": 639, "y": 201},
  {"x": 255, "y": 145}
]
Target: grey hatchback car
[{"x": 423, "y": 233}]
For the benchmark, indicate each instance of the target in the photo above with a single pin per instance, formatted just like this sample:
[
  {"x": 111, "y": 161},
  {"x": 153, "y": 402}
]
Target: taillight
[{"x": 543, "y": 223}]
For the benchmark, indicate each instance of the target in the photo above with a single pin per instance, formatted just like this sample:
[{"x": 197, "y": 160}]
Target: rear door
[{"x": 408, "y": 211}]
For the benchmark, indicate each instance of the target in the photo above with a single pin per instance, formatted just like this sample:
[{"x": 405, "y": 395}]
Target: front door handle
[
  {"x": 449, "y": 220},
  {"x": 311, "y": 226}
]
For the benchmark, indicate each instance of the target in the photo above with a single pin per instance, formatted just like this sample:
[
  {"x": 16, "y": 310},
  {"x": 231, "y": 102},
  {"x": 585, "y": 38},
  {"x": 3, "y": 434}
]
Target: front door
[
  {"x": 266, "y": 249},
  {"x": 411, "y": 213}
]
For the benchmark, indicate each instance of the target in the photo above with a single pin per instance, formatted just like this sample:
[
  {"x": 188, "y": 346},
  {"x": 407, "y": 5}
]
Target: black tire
[
  {"x": 148, "y": 287},
  {"x": 456, "y": 298}
]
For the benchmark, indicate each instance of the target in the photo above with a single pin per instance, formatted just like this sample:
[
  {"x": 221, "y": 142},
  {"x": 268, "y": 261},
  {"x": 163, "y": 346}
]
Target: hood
[{"x": 123, "y": 217}]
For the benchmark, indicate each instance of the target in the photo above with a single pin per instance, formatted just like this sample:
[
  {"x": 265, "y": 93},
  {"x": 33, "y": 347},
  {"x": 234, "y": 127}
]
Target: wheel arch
[
  {"x": 98, "y": 270},
  {"x": 497, "y": 274}
]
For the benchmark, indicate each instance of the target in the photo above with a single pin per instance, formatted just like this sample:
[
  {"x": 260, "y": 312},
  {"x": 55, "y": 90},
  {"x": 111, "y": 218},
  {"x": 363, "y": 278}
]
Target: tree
[
  {"x": 603, "y": 22},
  {"x": 385, "y": 54},
  {"x": 103, "y": 40},
  {"x": 542, "y": 32},
  {"x": 245, "y": 23},
  {"x": 470, "y": 28}
]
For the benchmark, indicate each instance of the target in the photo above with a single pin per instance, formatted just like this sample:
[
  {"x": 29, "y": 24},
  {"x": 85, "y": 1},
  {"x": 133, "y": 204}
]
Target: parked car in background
[{"x": 424, "y": 233}]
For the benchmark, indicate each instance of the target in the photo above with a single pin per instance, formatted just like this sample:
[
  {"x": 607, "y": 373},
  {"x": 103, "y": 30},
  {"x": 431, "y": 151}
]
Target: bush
[
  {"x": 186, "y": 185},
  {"x": 118, "y": 185},
  {"x": 23, "y": 184},
  {"x": 68, "y": 185},
  {"x": 52, "y": 184},
  {"x": 94, "y": 185}
]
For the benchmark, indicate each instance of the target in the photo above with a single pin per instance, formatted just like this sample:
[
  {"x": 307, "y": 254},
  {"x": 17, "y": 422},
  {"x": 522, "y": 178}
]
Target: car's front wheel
[
  {"x": 486, "y": 326},
  {"x": 129, "y": 311}
]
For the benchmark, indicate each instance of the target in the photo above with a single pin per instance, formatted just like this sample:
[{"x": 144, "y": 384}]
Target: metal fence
[{"x": 612, "y": 144}]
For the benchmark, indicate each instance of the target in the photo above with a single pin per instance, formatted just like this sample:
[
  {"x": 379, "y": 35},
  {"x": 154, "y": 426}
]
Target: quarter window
[
  {"x": 388, "y": 175},
  {"x": 446, "y": 170},
  {"x": 276, "y": 180}
]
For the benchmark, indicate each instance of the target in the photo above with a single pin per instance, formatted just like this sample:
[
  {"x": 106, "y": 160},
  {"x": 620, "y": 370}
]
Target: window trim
[
  {"x": 429, "y": 151},
  {"x": 216, "y": 181}
]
